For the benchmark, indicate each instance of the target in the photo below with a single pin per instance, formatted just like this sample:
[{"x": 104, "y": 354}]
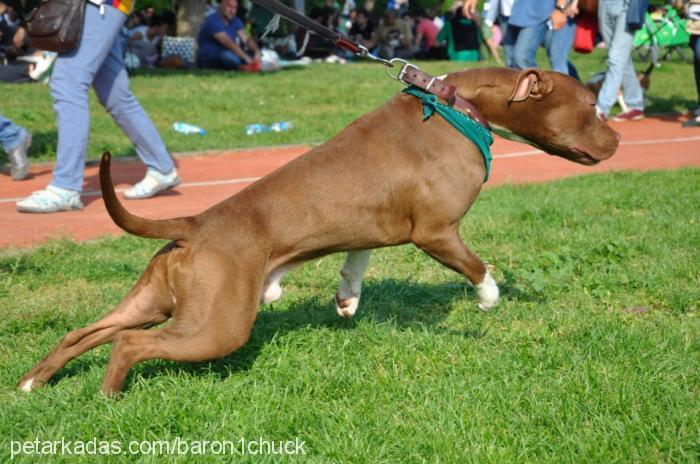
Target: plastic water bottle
[
  {"x": 184, "y": 128},
  {"x": 251, "y": 129}
]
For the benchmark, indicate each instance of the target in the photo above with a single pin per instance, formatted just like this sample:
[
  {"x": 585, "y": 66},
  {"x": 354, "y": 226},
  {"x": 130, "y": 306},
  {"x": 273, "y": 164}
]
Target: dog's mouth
[
  {"x": 584, "y": 158},
  {"x": 575, "y": 154}
]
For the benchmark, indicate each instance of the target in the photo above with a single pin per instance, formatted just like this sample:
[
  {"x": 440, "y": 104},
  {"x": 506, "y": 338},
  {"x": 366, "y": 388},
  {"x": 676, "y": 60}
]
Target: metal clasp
[
  {"x": 402, "y": 72},
  {"x": 364, "y": 53}
]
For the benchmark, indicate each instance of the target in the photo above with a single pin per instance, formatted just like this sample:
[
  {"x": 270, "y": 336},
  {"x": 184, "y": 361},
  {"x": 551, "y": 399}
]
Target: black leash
[
  {"x": 338, "y": 39},
  {"x": 409, "y": 74}
]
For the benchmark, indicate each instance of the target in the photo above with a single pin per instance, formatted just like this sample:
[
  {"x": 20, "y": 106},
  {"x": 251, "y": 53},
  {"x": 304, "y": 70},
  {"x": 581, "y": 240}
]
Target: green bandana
[{"x": 460, "y": 121}]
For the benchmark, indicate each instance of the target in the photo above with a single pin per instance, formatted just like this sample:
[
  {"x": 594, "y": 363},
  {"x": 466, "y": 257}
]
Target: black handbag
[{"x": 56, "y": 25}]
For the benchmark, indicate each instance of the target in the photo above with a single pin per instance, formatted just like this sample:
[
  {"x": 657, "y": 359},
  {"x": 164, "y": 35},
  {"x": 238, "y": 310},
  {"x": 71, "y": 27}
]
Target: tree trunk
[{"x": 190, "y": 15}]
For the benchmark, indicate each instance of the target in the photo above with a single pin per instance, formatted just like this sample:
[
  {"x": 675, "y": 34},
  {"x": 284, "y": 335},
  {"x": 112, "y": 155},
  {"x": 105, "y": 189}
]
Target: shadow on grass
[
  {"x": 405, "y": 305},
  {"x": 657, "y": 104}
]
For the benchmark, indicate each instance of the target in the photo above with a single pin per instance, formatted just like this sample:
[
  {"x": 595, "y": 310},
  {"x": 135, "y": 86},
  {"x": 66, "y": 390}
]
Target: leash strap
[{"x": 469, "y": 127}]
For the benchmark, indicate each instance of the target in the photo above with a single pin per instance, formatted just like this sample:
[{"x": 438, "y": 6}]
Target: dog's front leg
[
  {"x": 272, "y": 290},
  {"x": 347, "y": 298},
  {"x": 448, "y": 248}
]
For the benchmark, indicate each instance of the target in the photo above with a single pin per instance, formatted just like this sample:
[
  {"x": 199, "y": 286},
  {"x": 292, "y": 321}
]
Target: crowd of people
[{"x": 230, "y": 37}]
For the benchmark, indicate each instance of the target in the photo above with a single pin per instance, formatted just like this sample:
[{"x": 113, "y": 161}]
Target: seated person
[
  {"x": 144, "y": 41},
  {"x": 13, "y": 37},
  {"x": 221, "y": 40},
  {"x": 395, "y": 37},
  {"x": 425, "y": 41},
  {"x": 362, "y": 30},
  {"x": 35, "y": 67}
]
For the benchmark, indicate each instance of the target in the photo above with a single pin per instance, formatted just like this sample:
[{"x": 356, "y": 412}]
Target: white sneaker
[
  {"x": 18, "y": 158},
  {"x": 153, "y": 183},
  {"x": 51, "y": 200}
]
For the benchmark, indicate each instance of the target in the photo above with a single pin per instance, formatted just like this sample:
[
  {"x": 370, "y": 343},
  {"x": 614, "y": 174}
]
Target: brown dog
[{"x": 389, "y": 178}]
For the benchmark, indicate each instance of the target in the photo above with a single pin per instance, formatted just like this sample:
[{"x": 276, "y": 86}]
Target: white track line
[
  {"x": 520, "y": 154},
  {"x": 97, "y": 193},
  {"x": 517, "y": 154}
]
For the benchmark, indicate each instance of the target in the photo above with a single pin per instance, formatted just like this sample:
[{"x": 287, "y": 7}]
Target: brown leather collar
[{"x": 410, "y": 74}]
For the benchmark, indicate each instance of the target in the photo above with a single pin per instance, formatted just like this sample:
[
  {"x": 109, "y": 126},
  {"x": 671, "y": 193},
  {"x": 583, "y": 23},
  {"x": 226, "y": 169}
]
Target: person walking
[
  {"x": 617, "y": 21},
  {"x": 559, "y": 41},
  {"x": 693, "y": 27},
  {"x": 16, "y": 141},
  {"x": 527, "y": 27},
  {"x": 98, "y": 61}
]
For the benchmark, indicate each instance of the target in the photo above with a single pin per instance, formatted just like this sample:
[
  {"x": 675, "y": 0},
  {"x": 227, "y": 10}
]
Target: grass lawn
[
  {"x": 559, "y": 372},
  {"x": 319, "y": 100}
]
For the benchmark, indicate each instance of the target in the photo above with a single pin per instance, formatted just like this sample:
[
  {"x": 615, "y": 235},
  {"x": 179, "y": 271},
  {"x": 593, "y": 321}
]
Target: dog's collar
[
  {"x": 471, "y": 129},
  {"x": 410, "y": 74}
]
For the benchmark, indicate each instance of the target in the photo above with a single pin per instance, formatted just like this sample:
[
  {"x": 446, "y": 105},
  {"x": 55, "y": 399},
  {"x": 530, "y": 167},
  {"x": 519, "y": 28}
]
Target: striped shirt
[{"x": 125, "y": 6}]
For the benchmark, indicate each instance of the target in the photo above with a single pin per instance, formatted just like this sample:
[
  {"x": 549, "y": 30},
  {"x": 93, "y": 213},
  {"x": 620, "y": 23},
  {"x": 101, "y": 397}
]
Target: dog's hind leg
[
  {"x": 149, "y": 303},
  {"x": 347, "y": 298},
  {"x": 217, "y": 303},
  {"x": 448, "y": 248}
]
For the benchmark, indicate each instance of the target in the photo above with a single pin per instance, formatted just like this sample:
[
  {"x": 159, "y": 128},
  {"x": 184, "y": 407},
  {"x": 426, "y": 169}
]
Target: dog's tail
[{"x": 178, "y": 229}]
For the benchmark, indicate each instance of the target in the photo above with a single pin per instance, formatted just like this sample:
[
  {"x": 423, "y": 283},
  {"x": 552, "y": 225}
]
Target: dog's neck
[{"x": 496, "y": 128}]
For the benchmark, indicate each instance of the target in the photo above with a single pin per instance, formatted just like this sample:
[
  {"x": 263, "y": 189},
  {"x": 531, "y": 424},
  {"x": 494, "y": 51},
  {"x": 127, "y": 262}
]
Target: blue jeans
[
  {"x": 11, "y": 134},
  {"x": 527, "y": 41},
  {"x": 225, "y": 59},
  {"x": 558, "y": 44},
  {"x": 508, "y": 34},
  {"x": 98, "y": 61},
  {"x": 612, "y": 22}
]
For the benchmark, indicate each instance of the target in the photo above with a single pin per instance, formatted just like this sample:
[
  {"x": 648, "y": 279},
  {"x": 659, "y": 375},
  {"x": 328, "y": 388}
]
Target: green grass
[
  {"x": 319, "y": 100},
  {"x": 559, "y": 372}
]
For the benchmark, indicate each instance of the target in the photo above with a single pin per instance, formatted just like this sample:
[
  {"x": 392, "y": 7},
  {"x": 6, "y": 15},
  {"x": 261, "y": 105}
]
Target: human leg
[
  {"x": 225, "y": 60},
  {"x": 694, "y": 120},
  {"x": 558, "y": 44},
  {"x": 73, "y": 73},
  {"x": 695, "y": 44},
  {"x": 612, "y": 16},
  {"x": 16, "y": 141},
  {"x": 526, "y": 45},
  {"x": 72, "y": 76},
  {"x": 10, "y": 134},
  {"x": 510, "y": 35},
  {"x": 631, "y": 89},
  {"x": 111, "y": 85}
]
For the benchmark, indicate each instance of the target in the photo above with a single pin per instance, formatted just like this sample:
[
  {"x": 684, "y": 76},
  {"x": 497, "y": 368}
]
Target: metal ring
[
  {"x": 402, "y": 71},
  {"x": 391, "y": 62}
]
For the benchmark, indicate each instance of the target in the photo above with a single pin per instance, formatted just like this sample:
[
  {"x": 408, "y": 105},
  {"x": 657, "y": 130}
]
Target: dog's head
[{"x": 548, "y": 110}]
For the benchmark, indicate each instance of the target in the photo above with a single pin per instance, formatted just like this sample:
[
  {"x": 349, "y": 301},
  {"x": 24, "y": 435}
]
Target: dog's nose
[{"x": 618, "y": 136}]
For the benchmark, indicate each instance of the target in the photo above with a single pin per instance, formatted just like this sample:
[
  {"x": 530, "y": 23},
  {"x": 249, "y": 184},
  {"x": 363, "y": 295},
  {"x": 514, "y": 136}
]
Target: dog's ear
[{"x": 531, "y": 83}]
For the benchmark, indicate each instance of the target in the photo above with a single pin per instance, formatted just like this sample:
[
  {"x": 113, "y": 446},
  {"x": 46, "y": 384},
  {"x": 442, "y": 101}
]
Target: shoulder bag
[{"x": 56, "y": 25}]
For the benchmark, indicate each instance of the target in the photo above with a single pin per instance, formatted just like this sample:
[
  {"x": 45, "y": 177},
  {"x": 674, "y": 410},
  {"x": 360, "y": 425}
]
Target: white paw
[
  {"x": 272, "y": 293},
  {"x": 27, "y": 386},
  {"x": 487, "y": 291},
  {"x": 346, "y": 307}
]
